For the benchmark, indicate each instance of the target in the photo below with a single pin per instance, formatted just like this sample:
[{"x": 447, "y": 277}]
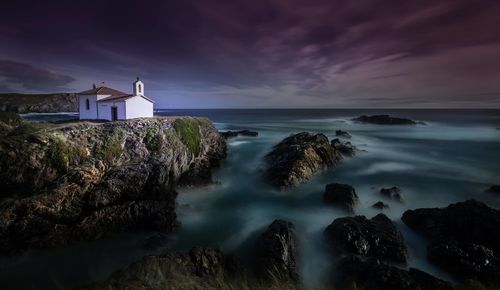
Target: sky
[{"x": 259, "y": 54}]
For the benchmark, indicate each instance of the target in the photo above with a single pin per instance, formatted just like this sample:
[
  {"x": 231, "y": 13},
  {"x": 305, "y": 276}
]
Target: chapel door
[{"x": 114, "y": 113}]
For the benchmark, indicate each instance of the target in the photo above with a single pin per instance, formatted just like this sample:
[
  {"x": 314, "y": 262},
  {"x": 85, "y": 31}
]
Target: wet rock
[
  {"x": 380, "y": 205},
  {"x": 494, "y": 189},
  {"x": 384, "y": 120},
  {"x": 342, "y": 133},
  {"x": 344, "y": 148},
  {"x": 201, "y": 268},
  {"x": 230, "y": 134},
  {"x": 341, "y": 195},
  {"x": 464, "y": 238},
  {"x": 356, "y": 273},
  {"x": 277, "y": 251},
  {"x": 377, "y": 237},
  {"x": 393, "y": 193},
  {"x": 297, "y": 158}
]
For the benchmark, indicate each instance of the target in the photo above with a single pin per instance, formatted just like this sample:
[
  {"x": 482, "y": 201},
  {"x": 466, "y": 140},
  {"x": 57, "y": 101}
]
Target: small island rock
[
  {"x": 341, "y": 195},
  {"x": 384, "y": 120}
]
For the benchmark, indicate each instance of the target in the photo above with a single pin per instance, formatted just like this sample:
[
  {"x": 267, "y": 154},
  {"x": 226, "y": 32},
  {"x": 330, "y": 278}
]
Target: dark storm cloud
[
  {"x": 279, "y": 52},
  {"x": 16, "y": 74}
]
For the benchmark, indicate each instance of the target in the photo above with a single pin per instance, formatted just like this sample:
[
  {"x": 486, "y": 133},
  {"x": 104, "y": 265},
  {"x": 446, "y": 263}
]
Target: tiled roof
[
  {"x": 102, "y": 91},
  {"x": 122, "y": 98}
]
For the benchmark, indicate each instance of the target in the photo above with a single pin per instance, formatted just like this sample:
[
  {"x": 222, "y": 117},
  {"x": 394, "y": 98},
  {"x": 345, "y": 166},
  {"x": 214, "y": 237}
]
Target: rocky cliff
[
  {"x": 78, "y": 181},
  {"x": 38, "y": 103}
]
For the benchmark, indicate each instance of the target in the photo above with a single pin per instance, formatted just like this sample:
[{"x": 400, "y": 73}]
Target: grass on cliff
[
  {"x": 153, "y": 139},
  {"x": 112, "y": 145},
  {"x": 189, "y": 132},
  {"x": 62, "y": 154}
]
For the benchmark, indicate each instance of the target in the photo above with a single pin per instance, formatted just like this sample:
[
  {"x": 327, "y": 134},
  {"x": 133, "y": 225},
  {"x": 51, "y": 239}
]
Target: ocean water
[{"x": 453, "y": 157}]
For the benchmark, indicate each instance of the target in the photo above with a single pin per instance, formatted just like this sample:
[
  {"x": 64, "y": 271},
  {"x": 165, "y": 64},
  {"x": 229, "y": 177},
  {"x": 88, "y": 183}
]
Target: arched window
[
  {"x": 87, "y": 104},
  {"x": 140, "y": 88}
]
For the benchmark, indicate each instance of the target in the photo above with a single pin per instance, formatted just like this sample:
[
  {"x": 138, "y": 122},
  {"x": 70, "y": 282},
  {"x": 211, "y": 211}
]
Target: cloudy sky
[{"x": 275, "y": 53}]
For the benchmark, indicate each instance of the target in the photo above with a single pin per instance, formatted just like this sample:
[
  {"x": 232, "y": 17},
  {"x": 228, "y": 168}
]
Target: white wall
[
  {"x": 138, "y": 107},
  {"x": 92, "y": 112},
  {"x": 105, "y": 110}
]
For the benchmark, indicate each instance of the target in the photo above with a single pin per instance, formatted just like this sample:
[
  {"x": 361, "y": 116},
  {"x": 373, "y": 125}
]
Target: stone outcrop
[
  {"x": 297, "y": 158},
  {"x": 380, "y": 205},
  {"x": 356, "y": 273},
  {"x": 377, "y": 238},
  {"x": 79, "y": 181},
  {"x": 344, "y": 148},
  {"x": 384, "y": 120},
  {"x": 38, "y": 103},
  {"x": 464, "y": 238},
  {"x": 494, "y": 189},
  {"x": 201, "y": 268},
  {"x": 342, "y": 133},
  {"x": 277, "y": 252},
  {"x": 247, "y": 133},
  {"x": 393, "y": 193},
  {"x": 341, "y": 195}
]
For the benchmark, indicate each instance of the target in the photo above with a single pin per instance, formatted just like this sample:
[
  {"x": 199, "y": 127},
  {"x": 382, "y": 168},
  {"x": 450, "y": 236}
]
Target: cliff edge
[{"x": 78, "y": 181}]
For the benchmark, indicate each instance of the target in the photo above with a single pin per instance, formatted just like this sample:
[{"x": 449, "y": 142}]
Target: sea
[{"x": 452, "y": 156}]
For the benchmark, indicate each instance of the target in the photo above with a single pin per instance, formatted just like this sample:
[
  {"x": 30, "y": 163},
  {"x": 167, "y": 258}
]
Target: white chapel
[{"x": 103, "y": 103}]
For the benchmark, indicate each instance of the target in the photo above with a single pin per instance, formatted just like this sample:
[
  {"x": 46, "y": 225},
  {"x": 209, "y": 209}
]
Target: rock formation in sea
[
  {"x": 277, "y": 252},
  {"x": 377, "y": 238},
  {"x": 342, "y": 133},
  {"x": 80, "y": 181},
  {"x": 380, "y": 205},
  {"x": 384, "y": 120},
  {"x": 356, "y": 273},
  {"x": 341, "y": 195},
  {"x": 298, "y": 157},
  {"x": 38, "y": 103},
  {"x": 464, "y": 238},
  {"x": 201, "y": 268},
  {"x": 393, "y": 193},
  {"x": 247, "y": 133},
  {"x": 344, "y": 148}
]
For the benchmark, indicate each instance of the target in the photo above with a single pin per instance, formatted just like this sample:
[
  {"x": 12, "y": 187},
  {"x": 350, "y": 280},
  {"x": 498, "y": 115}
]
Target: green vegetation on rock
[
  {"x": 112, "y": 145},
  {"x": 153, "y": 139},
  {"x": 189, "y": 132},
  {"x": 61, "y": 154}
]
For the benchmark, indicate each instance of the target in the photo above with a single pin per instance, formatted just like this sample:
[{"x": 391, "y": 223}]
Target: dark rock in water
[
  {"x": 201, "y": 268},
  {"x": 277, "y": 251},
  {"x": 342, "y": 133},
  {"x": 345, "y": 148},
  {"x": 464, "y": 237},
  {"x": 82, "y": 181},
  {"x": 494, "y": 189},
  {"x": 230, "y": 134},
  {"x": 356, "y": 273},
  {"x": 156, "y": 241},
  {"x": 341, "y": 195},
  {"x": 298, "y": 157},
  {"x": 377, "y": 237},
  {"x": 465, "y": 260},
  {"x": 384, "y": 120},
  {"x": 393, "y": 193},
  {"x": 380, "y": 205}
]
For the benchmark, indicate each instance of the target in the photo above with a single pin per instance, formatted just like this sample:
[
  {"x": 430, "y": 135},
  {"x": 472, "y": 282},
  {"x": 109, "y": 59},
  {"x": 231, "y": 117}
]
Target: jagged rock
[
  {"x": 380, "y": 205},
  {"x": 342, "y": 133},
  {"x": 384, "y": 120},
  {"x": 341, "y": 195},
  {"x": 393, "y": 193},
  {"x": 248, "y": 133},
  {"x": 201, "y": 268},
  {"x": 345, "y": 148},
  {"x": 356, "y": 273},
  {"x": 277, "y": 251},
  {"x": 377, "y": 237},
  {"x": 494, "y": 189},
  {"x": 295, "y": 159},
  {"x": 464, "y": 238},
  {"x": 83, "y": 180}
]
